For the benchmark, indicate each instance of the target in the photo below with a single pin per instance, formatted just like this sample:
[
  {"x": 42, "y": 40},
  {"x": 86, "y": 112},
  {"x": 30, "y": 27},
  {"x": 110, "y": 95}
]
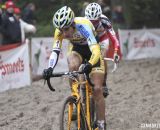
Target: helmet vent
[
  {"x": 92, "y": 9},
  {"x": 92, "y": 14},
  {"x": 57, "y": 16},
  {"x": 66, "y": 23},
  {"x": 62, "y": 22},
  {"x": 61, "y": 16}
]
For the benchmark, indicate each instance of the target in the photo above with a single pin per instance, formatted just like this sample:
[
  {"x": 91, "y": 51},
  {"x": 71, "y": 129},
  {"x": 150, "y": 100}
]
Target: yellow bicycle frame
[{"x": 76, "y": 93}]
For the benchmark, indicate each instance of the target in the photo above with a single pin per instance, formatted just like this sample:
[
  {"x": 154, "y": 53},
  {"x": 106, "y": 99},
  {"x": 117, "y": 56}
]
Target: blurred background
[
  {"x": 124, "y": 14},
  {"x": 133, "y": 103}
]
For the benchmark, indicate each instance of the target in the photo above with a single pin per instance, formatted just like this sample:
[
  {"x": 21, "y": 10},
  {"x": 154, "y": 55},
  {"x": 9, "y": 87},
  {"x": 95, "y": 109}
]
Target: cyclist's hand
[
  {"x": 116, "y": 58},
  {"x": 47, "y": 73},
  {"x": 87, "y": 68}
]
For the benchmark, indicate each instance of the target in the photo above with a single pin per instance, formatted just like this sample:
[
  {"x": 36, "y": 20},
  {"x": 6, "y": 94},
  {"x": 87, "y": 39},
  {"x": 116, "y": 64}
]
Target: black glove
[
  {"x": 116, "y": 58},
  {"x": 47, "y": 72},
  {"x": 87, "y": 68}
]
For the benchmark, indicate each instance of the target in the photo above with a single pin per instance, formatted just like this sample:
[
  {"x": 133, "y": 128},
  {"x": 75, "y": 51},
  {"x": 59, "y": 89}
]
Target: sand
[{"x": 133, "y": 103}]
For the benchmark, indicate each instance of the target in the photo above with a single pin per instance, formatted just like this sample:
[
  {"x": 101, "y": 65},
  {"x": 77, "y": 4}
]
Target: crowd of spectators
[
  {"x": 117, "y": 14},
  {"x": 113, "y": 12},
  {"x": 12, "y": 26},
  {"x": 14, "y": 23}
]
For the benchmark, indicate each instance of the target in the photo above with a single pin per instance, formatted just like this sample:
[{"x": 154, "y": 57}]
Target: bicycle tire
[
  {"x": 93, "y": 113},
  {"x": 72, "y": 100}
]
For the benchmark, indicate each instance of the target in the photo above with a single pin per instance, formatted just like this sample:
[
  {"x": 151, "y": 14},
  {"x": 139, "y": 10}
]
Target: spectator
[
  {"x": 10, "y": 26},
  {"x": 0, "y": 16},
  {"x": 105, "y": 8},
  {"x": 117, "y": 15},
  {"x": 0, "y": 25},
  {"x": 3, "y": 1},
  {"x": 28, "y": 13},
  {"x": 83, "y": 8},
  {"x": 25, "y": 27}
]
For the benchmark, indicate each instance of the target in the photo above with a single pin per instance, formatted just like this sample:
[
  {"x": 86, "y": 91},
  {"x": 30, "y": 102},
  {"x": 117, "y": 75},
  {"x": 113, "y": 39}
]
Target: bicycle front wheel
[{"x": 66, "y": 122}]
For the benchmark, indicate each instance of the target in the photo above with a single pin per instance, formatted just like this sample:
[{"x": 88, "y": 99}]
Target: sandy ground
[{"x": 134, "y": 100}]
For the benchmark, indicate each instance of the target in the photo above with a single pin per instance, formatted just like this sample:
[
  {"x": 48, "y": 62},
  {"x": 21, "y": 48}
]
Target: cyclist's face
[
  {"x": 68, "y": 32},
  {"x": 10, "y": 10},
  {"x": 95, "y": 22}
]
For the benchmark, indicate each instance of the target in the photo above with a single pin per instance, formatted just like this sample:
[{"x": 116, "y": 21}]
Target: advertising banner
[
  {"x": 14, "y": 68},
  {"x": 138, "y": 44}
]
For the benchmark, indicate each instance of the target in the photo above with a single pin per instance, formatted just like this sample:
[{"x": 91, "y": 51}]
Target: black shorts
[{"x": 84, "y": 53}]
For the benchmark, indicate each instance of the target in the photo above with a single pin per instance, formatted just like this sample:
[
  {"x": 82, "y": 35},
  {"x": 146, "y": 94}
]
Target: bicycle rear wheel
[{"x": 66, "y": 114}]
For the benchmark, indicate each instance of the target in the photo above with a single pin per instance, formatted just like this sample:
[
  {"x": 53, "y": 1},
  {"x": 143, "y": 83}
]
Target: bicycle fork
[
  {"x": 75, "y": 89},
  {"x": 70, "y": 115}
]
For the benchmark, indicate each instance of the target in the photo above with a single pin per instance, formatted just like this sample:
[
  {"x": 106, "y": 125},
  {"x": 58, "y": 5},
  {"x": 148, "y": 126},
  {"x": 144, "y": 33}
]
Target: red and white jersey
[{"x": 105, "y": 31}]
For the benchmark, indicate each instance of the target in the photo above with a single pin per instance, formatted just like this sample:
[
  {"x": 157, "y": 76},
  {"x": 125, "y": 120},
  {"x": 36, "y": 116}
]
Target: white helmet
[
  {"x": 93, "y": 11},
  {"x": 63, "y": 17}
]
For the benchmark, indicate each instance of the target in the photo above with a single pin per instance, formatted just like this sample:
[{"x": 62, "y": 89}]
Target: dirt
[{"x": 133, "y": 103}]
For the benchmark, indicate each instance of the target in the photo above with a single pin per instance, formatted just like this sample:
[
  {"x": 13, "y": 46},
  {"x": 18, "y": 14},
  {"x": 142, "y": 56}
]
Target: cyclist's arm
[
  {"x": 56, "y": 49},
  {"x": 95, "y": 49},
  {"x": 93, "y": 45},
  {"x": 113, "y": 38}
]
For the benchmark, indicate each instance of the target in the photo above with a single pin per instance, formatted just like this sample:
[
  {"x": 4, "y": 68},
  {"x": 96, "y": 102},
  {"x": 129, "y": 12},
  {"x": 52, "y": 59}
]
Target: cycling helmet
[
  {"x": 93, "y": 11},
  {"x": 63, "y": 17}
]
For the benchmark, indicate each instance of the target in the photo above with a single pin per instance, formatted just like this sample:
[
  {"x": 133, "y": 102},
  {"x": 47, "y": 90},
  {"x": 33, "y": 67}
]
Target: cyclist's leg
[
  {"x": 104, "y": 43},
  {"x": 99, "y": 99},
  {"x": 97, "y": 76},
  {"x": 74, "y": 58},
  {"x": 98, "y": 95},
  {"x": 82, "y": 52},
  {"x": 74, "y": 61}
]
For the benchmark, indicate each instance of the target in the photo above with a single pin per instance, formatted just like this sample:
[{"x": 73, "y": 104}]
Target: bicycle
[{"x": 86, "y": 118}]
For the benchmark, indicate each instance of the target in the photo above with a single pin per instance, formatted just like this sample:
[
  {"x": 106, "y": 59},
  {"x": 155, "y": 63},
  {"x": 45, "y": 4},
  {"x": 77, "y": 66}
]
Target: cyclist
[
  {"x": 80, "y": 32},
  {"x": 104, "y": 30}
]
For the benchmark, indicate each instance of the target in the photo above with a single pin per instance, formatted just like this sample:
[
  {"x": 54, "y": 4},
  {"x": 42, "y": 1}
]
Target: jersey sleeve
[
  {"x": 88, "y": 32},
  {"x": 113, "y": 38},
  {"x": 57, "y": 44},
  {"x": 111, "y": 33},
  {"x": 58, "y": 37}
]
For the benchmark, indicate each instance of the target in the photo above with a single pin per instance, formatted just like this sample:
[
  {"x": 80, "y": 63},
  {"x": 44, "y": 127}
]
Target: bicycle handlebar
[
  {"x": 73, "y": 74},
  {"x": 115, "y": 64},
  {"x": 70, "y": 74},
  {"x": 59, "y": 74}
]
